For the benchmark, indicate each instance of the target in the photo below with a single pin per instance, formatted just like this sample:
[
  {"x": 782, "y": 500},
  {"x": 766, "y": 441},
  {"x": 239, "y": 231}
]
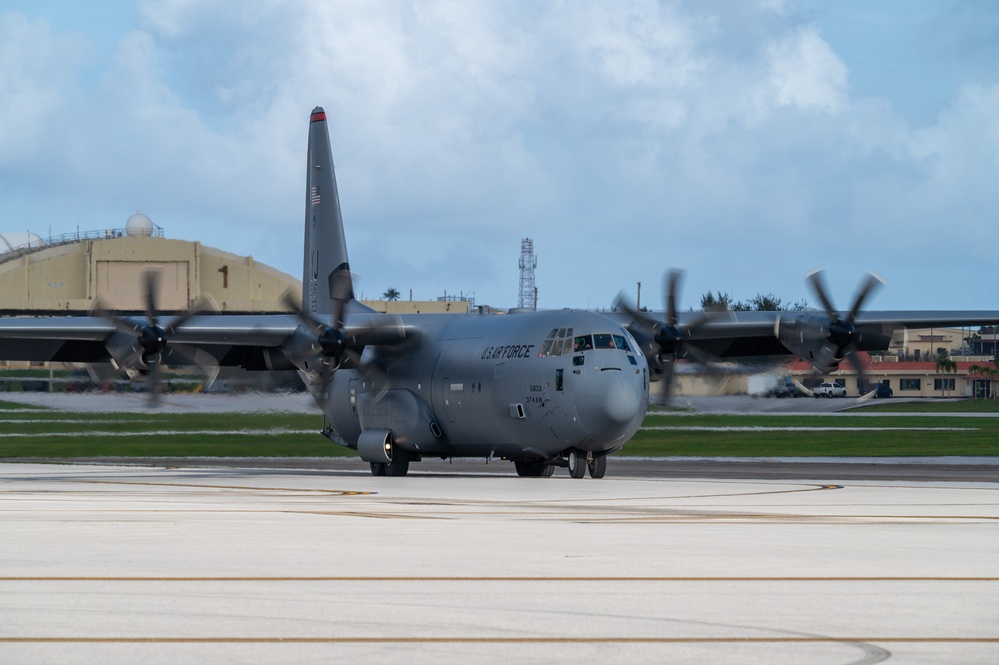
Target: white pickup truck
[{"x": 829, "y": 390}]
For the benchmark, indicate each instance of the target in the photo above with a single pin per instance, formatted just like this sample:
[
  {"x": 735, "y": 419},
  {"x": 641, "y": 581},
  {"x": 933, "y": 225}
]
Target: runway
[{"x": 127, "y": 564}]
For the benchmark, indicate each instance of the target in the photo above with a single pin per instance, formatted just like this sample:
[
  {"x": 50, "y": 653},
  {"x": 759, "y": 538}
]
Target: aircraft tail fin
[{"x": 326, "y": 273}]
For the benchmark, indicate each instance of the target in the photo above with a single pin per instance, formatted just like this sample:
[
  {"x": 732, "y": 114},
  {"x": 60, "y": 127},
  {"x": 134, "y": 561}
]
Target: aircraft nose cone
[{"x": 607, "y": 404}]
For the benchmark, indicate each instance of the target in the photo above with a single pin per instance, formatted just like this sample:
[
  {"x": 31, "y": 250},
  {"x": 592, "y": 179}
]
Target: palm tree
[
  {"x": 945, "y": 364},
  {"x": 391, "y": 294},
  {"x": 990, "y": 373}
]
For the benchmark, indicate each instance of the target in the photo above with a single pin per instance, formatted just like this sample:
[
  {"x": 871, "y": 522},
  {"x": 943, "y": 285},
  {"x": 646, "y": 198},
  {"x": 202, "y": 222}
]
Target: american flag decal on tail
[{"x": 315, "y": 196}]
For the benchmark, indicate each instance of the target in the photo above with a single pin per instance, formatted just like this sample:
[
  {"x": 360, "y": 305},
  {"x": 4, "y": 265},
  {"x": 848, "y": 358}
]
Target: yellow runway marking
[
  {"x": 486, "y": 578},
  {"x": 297, "y": 490},
  {"x": 500, "y": 640},
  {"x": 602, "y": 500},
  {"x": 708, "y": 518}
]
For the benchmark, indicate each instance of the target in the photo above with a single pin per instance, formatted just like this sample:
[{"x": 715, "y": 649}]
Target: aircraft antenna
[{"x": 528, "y": 262}]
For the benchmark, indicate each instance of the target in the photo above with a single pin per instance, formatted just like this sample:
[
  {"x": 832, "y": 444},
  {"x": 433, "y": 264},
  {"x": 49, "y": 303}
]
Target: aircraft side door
[{"x": 454, "y": 385}]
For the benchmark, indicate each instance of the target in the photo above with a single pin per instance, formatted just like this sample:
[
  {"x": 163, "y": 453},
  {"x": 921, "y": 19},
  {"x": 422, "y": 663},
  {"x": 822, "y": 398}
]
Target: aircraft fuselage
[{"x": 520, "y": 386}]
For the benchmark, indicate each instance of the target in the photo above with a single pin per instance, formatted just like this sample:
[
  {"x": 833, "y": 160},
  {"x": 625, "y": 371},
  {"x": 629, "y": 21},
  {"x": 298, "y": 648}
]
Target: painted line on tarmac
[
  {"x": 499, "y": 640},
  {"x": 526, "y": 504},
  {"x": 275, "y": 431},
  {"x": 773, "y": 518},
  {"x": 48, "y": 420},
  {"x": 297, "y": 490},
  {"x": 707, "y": 428},
  {"x": 496, "y": 578}
]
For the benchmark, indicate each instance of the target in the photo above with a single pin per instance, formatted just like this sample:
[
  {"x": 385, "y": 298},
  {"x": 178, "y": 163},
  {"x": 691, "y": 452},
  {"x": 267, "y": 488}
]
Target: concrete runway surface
[{"x": 162, "y": 565}]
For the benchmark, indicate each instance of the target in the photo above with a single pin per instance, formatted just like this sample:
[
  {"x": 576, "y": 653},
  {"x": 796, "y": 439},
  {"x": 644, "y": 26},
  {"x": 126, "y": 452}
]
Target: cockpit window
[
  {"x": 600, "y": 341},
  {"x": 559, "y": 343},
  {"x": 603, "y": 341}
]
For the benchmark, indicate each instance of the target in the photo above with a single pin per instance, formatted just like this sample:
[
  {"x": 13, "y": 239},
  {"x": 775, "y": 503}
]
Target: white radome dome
[
  {"x": 19, "y": 239},
  {"x": 139, "y": 224}
]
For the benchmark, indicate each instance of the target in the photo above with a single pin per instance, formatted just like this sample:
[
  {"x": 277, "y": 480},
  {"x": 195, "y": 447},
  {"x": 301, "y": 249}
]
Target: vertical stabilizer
[{"x": 327, "y": 271}]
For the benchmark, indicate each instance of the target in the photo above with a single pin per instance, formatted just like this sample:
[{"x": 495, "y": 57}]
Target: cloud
[
  {"x": 805, "y": 72},
  {"x": 38, "y": 76},
  {"x": 632, "y": 136},
  {"x": 959, "y": 160}
]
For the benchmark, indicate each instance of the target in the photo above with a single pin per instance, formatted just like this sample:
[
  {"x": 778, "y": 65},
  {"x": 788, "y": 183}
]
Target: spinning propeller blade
[
  {"x": 840, "y": 333},
  {"x": 332, "y": 347},
  {"x": 153, "y": 340},
  {"x": 665, "y": 342}
]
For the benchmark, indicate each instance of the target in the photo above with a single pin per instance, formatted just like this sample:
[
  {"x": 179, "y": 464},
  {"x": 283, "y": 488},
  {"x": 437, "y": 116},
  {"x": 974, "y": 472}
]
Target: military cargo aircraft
[{"x": 543, "y": 389}]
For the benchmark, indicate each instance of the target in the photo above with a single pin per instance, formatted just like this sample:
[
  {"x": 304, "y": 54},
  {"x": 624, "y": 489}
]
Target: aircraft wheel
[
  {"x": 377, "y": 469},
  {"x": 577, "y": 463},
  {"x": 597, "y": 466},
  {"x": 533, "y": 468},
  {"x": 399, "y": 466}
]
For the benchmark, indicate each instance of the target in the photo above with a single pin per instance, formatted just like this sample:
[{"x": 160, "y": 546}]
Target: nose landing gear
[
  {"x": 580, "y": 462},
  {"x": 577, "y": 463},
  {"x": 597, "y": 466}
]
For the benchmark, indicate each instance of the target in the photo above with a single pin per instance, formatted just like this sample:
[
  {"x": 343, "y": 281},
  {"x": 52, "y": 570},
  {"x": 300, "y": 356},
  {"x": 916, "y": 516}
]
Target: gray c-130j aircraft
[{"x": 543, "y": 389}]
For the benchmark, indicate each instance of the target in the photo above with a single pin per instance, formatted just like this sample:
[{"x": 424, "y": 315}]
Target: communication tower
[{"x": 528, "y": 262}]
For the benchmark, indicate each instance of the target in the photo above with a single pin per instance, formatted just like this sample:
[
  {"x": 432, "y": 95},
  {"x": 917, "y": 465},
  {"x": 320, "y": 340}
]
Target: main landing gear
[
  {"x": 376, "y": 447},
  {"x": 577, "y": 461},
  {"x": 399, "y": 466},
  {"x": 534, "y": 468}
]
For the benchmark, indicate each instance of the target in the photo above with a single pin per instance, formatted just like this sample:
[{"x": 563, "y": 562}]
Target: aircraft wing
[
  {"x": 823, "y": 339},
  {"x": 252, "y": 342},
  {"x": 234, "y": 340},
  {"x": 740, "y": 334}
]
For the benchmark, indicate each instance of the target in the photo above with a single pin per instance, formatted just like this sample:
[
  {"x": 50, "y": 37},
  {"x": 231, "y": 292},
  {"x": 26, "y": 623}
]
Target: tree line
[{"x": 719, "y": 301}]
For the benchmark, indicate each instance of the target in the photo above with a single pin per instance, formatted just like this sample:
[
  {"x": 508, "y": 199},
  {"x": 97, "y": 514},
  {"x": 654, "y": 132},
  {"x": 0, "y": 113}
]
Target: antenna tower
[{"x": 528, "y": 262}]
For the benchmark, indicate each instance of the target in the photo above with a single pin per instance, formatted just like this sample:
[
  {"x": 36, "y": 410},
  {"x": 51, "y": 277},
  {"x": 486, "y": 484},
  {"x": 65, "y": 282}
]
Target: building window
[
  {"x": 909, "y": 384},
  {"x": 943, "y": 384}
]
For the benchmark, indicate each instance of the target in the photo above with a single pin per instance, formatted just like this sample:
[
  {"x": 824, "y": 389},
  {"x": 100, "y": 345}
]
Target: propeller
[
  {"x": 841, "y": 335},
  {"x": 330, "y": 340},
  {"x": 331, "y": 348},
  {"x": 153, "y": 339},
  {"x": 665, "y": 342}
]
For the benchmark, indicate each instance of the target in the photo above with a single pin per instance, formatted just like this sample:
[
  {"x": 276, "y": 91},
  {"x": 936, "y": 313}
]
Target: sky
[{"x": 743, "y": 142}]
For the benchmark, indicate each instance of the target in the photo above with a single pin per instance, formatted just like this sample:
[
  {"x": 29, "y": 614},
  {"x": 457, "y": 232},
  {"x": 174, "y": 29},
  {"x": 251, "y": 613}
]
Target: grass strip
[
  {"x": 827, "y": 443},
  {"x": 57, "y": 434},
  {"x": 957, "y": 406}
]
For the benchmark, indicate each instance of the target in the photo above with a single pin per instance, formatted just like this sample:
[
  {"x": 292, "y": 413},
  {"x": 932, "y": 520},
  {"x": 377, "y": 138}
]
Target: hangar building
[{"x": 66, "y": 274}]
